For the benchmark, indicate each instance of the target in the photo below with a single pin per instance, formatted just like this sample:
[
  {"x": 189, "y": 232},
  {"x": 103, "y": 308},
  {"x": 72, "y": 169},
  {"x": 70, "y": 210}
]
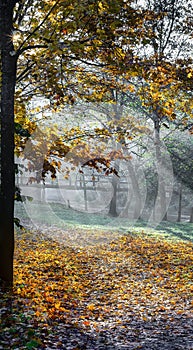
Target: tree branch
[
  {"x": 31, "y": 47},
  {"x": 21, "y": 48}
]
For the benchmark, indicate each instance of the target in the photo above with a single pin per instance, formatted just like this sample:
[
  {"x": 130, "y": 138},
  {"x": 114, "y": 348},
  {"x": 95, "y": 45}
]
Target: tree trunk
[
  {"x": 113, "y": 202},
  {"x": 191, "y": 215},
  {"x": 85, "y": 194},
  {"x": 180, "y": 204},
  {"x": 161, "y": 187},
  {"x": 8, "y": 78}
]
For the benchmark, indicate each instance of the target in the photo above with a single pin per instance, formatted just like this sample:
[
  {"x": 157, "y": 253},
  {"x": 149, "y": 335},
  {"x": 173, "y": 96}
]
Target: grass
[{"x": 54, "y": 214}]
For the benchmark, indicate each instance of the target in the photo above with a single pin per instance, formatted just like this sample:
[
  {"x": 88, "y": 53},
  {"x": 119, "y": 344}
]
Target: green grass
[
  {"x": 62, "y": 217},
  {"x": 170, "y": 230}
]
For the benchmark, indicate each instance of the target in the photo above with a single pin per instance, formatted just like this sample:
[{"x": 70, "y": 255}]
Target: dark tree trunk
[
  {"x": 162, "y": 190},
  {"x": 180, "y": 204},
  {"x": 8, "y": 78},
  {"x": 113, "y": 202}
]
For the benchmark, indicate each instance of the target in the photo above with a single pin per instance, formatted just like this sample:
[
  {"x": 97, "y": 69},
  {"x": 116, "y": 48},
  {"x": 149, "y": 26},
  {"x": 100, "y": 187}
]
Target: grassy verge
[{"x": 65, "y": 218}]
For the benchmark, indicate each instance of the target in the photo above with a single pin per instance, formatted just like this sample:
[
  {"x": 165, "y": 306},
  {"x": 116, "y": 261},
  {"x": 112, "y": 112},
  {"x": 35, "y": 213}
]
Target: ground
[{"x": 91, "y": 288}]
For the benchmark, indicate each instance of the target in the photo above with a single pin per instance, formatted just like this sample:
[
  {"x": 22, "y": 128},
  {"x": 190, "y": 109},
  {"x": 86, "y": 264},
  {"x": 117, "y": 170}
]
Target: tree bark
[
  {"x": 180, "y": 204},
  {"x": 8, "y": 78},
  {"x": 191, "y": 215},
  {"x": 113, "y": 202},
  {"x": 162, "y": 190}
]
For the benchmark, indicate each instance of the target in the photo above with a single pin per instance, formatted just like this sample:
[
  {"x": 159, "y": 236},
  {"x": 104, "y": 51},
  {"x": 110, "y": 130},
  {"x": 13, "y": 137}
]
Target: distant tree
[
  {"x": 166, "y": 77},
  {"x": 180, "y": 148}
]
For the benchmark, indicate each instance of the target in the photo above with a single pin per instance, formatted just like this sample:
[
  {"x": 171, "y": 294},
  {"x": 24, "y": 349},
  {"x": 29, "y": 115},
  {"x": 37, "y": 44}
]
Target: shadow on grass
[
  {"x": 181, "y": 230},
  {"x": 62, "y": 217}
]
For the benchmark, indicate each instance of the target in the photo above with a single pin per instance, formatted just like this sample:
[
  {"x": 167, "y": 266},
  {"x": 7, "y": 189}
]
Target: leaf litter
[{"x": 130, "y": 292}]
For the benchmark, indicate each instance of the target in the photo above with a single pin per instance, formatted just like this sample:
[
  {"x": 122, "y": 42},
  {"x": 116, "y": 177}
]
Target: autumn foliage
[{"x": 95, "y": 287}]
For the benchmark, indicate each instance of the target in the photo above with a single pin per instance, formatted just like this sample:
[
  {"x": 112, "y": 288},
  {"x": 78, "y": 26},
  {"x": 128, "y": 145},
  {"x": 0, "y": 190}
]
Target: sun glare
[{"x": 15, "y": 37}]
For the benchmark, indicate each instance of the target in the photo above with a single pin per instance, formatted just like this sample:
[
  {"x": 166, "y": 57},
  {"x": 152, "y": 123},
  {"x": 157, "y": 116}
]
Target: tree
[
  {"x": 45, "y": 45},
  {"x": 166, "y": 84},
  {"x": 180, "y": 147},
  {"x": 39, "y": 41},
  {"x": 8, "y": 80}
]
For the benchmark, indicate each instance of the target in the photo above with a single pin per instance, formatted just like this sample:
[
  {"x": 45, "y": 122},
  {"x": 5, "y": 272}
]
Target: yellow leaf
[
  {"x": 37, "y": 313},
  {"x": 57, "y": 306},
  {"x": 91, "y": 307}
]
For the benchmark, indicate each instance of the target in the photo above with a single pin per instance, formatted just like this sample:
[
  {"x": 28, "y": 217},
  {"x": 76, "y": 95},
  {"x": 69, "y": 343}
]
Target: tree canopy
[{"x": 71, "y": 51}]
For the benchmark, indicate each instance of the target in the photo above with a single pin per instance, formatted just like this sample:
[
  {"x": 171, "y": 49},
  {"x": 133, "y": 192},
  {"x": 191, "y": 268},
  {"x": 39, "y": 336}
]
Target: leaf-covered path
[{"x": 132, "y": 292}]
